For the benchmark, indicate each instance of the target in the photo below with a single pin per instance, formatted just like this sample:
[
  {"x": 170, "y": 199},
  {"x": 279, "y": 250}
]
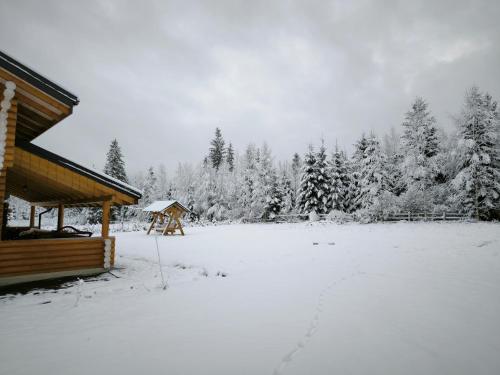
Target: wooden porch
[{"x": 30, "y": 105}]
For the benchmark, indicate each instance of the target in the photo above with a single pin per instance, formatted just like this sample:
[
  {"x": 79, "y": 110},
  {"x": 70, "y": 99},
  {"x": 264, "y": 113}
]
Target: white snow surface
[{"x": 405, "y": 298}]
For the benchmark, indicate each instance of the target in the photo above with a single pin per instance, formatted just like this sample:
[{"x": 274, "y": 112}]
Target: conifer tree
[
  {"x": 477, "y": 184},
  {"x": 373, "y": 174},
  {"x": 419, "y": 142},
  {"x": 150, "y": 189},
  {"x": 323, "y": 181},
  {"x": 353, "y": 196},
  {"x": 230, "y": 158},
  {"x": 217, "y": 150},
  {"x": 274, "y": 198},
  {"x": 295, "y": 178},
  {"x": 307, "y": 200},
  {"x": 287, "y": 192},
  {"x": 339, "y": 182},
  {"x": 115, "y": 166}
]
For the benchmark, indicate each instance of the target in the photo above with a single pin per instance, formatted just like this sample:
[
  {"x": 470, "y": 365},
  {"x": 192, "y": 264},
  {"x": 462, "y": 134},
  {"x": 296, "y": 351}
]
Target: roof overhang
[
  {"x": 47, "y": 179},
  {"x": 41, "y": 102}
]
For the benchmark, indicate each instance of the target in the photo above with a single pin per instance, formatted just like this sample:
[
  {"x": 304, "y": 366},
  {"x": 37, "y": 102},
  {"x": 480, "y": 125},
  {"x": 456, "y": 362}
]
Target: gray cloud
[{"x": 161, "y": 75}]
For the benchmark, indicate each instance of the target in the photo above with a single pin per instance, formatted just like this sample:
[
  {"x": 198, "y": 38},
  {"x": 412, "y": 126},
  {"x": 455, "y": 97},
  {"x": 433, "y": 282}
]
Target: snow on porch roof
[
  {"x": 162, "y": 205},
  {"x": 84, "y": 171}
]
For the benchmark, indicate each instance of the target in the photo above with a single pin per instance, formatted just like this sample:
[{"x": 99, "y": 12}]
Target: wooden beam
[
  {"x": 155, "y": 216},
  {"x": 32, "y": 216},
  {"x": 60, "y": 216},
  {"x": 74, "y": 202},
  {"x": 106, "y": 207}
]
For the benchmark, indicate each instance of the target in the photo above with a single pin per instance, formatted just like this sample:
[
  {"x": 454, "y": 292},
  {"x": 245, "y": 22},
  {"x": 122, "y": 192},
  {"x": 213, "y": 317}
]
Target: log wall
[{"x": 27, "y": 257}]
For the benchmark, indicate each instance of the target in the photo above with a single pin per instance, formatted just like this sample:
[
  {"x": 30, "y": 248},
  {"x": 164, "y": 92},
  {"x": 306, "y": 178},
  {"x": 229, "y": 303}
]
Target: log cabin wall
[
  {"x": 44, "y": 257},
  {"x": 8, "y": 150}
]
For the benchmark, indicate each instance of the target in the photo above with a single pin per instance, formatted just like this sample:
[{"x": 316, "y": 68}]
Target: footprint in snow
[
  {"x": 485, "y": 243},
  {"x": 313, "y": 327}
]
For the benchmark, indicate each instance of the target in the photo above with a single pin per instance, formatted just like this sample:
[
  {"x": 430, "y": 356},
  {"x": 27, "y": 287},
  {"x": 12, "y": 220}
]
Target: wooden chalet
[
  {"x": 31, "y": 105},
  {"x": 166, "y": 216}
]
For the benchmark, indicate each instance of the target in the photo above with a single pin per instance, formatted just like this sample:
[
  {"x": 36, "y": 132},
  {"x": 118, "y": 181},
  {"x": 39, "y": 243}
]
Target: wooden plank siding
[{"x": 30, "y": 257}]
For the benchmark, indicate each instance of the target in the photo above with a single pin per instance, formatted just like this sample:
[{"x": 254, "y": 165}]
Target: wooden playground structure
[{"x": 166, "y": 217}]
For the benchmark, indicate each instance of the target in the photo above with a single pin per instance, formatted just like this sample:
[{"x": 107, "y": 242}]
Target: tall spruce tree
[
  {"x": 307, "y": 200},
  {"x": 353, "y": 195},
  {"x": 339, "y": 186},
  {"x": 217, "y": 150},
  {"x": 150, "y": 188},
  {"x": 323, "y": 181},
  {"x": 287, "y": 193},
  {"x": 230, "y": 158},
  {"x": 115, "y": 167},
  {"x": 420, "y": 144},
  {"x": 373, "y": 174},
  {"x": 355, "y": 167},
  {"x": 477, "y": 184},
  {"x": 274, "y": 197}
]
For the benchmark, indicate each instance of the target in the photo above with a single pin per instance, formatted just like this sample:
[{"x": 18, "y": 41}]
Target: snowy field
[{"x": 406, "y": 298}]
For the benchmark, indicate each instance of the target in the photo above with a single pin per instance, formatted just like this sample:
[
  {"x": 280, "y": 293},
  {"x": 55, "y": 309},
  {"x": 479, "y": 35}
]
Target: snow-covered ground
[{"x": 406, "y": 298}]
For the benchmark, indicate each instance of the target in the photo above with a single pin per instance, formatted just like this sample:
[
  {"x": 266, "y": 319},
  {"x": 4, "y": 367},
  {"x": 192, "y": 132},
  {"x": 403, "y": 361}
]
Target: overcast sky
[{"x": 161, "y": 75}]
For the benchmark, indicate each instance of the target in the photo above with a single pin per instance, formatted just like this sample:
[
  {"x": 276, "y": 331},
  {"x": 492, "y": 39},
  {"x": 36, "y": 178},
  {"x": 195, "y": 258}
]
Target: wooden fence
[
  {"x": 401, "y": 216},
  {"x": 424, "y": 216}
]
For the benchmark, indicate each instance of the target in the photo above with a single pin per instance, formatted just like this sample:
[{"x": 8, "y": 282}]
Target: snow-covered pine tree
[
  {"x": 274, "y": 197},
  {"x": 217, "y": 150},
  {"x": 359, "y": 150},
  {"x": 295, "y": 176},
  {"x": 262, "y": 180},
  {"x": 373, "y": 174},
  {"x": 246, "y": 180},
  {"x": 419, "y": 142},
  {"x": 115, "y": 167},
  {"x": 150, "y": 188},
  {"x": 339, "y": 182},
  {"x": 287, "y": 192},
  {"x": 353, "y": 196},
  {"x": 355, "y": 166},
  {"x": 230, "y": 158},
  {"x": 323, "y": 181},
  {"x": 477, "y": 184},
  {"x": 307, "y": 199},
  {"x": 162, "y": 181}
]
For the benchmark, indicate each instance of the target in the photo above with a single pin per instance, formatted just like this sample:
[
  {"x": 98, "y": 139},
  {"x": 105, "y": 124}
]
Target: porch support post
[
  {"x": 60, "y": 216},
  {"x": 32, "y": 216},
  {"x": 106, "y": 206}
]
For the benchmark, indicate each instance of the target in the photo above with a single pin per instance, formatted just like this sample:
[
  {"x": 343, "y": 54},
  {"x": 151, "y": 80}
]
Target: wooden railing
[
  {"x": 424, "y": 216},
  {"x": 401, "y": 216},
  {"x": 25, "y": 257}
]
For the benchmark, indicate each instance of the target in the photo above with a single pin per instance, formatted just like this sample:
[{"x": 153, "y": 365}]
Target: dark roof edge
[
  {"x": 26, "y": 74},
  {"x": 84, "y": 171}
]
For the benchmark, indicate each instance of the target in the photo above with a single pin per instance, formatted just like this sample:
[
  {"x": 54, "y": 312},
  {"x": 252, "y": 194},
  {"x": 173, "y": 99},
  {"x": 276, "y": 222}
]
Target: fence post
[
  {"x": 409, "y": 216},
  {"x": 444, "y": 215}
]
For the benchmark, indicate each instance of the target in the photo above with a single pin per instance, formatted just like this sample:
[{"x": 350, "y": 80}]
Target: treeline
[{"x": 418, "y": 168}]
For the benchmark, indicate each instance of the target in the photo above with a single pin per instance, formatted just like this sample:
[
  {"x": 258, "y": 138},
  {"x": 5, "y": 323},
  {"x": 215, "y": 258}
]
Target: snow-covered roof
[
  {"x": 35, "y": 79},
  {"x": 84, "y": 171},
  {"x": 159, "y": 206}
]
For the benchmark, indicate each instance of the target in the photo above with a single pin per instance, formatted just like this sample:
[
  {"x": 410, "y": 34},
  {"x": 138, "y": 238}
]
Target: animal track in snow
[{"x": 313, "y": 326}]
